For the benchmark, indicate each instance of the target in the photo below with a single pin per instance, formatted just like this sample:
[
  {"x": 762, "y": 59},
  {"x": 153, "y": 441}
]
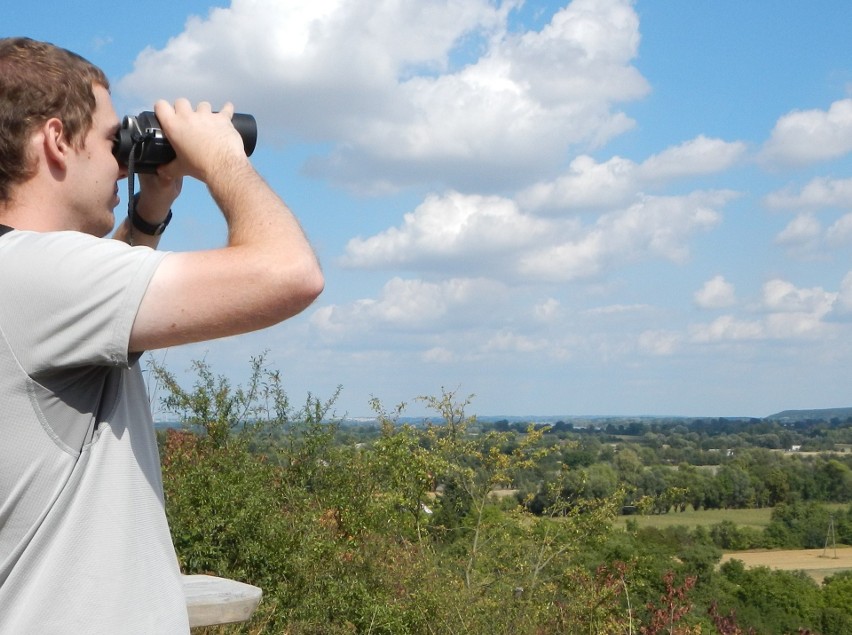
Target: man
[{"x": 84, "y": 544}]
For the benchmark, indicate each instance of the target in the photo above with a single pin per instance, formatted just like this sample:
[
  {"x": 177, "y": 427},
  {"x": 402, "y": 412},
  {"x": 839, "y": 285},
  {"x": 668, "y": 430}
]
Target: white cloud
[
  {"x": 843, "y": 306},
  {"x": 802, "y": 236},
  {"x": 660, "y": 343},
  {"x": 701, "y": 155},
  {"x": 412, "y": 306},
  {"x": 807, "y": 136},
  {"x": 727, "y": 328},
  {"x": 588, "y": 185},
  {"x": 476, "y": 232},
  {"x": 784, "y": 326},
  {"x": 805, "y": 237},
  {"x": 781, "y": 296},
  {"x": 509, "y": 342},
  {"x": 547, "y": 311},
  {"x": 376, "y": 78},
  {"x": 657, "y": 227},
  {"x": 818, "y": 193},
  {"x": 717, "y": 293},
  {"x": 839, "y": 234},
  {"x": 489, "y": 236},
  {"x": 791, "y": 313}
]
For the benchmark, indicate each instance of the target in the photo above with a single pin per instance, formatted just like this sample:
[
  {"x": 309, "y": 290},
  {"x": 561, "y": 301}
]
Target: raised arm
[{"x": 266, "y": 273}]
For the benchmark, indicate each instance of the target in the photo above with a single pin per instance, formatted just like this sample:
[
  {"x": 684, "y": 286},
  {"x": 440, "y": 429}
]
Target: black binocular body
[{"x": 140, "y": 141}]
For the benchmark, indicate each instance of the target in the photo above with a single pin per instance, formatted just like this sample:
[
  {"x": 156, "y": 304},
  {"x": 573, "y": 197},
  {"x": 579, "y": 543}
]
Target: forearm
[{"x": 258, "y": 220}]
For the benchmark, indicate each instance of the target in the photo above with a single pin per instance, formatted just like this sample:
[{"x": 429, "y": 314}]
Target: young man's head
[{"x": 40, "y": 81}]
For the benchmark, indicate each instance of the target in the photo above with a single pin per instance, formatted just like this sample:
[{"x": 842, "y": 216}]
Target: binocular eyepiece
[{"x": 141, "y": 139}]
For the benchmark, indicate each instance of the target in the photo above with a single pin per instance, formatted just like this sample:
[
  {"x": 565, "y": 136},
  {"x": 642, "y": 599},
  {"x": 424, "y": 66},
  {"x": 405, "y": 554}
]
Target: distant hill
[{"x": 824, "y": 414}]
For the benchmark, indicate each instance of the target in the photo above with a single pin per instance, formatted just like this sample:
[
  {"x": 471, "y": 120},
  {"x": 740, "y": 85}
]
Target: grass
[{"x": 754, "y": 518}]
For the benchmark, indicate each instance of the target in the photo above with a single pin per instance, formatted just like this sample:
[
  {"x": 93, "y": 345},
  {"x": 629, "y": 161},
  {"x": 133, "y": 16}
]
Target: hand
[
  {"x": 205, "y": 142},
  {"x": 156, "y": 195}
]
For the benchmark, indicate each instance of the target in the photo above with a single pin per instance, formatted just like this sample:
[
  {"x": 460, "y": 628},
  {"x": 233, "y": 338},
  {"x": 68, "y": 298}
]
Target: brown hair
[{"x": 39, "y": 81}]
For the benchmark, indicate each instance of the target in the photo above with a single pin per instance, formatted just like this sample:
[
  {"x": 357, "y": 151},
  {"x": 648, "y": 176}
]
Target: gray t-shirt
[{"x": 84, "y": 542}]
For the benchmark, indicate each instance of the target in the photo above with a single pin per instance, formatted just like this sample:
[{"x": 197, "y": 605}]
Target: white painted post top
[{"x": 211, "y": 600}]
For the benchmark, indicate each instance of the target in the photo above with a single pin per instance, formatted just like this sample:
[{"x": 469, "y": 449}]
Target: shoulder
[
  {"x": 67, "y": 246},
  {"x": 19, "y": 240},
  {"x": 69, "y": 258}
]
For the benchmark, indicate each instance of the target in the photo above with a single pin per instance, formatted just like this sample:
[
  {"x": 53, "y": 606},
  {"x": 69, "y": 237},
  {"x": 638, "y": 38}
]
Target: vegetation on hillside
[{"x": 456, "y": 527}]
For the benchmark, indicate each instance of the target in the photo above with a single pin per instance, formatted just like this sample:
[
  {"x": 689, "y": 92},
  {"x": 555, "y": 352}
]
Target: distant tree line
[{"x": 700, "y": 464}]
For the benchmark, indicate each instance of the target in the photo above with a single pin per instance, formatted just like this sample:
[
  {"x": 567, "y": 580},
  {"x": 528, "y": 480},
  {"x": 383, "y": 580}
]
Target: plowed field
[{"x": 818, "y": 563}]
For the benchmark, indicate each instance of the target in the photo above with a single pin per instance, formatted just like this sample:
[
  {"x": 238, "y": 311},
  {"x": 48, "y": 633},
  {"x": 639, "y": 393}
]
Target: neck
[{"x": 34, "y": 209}]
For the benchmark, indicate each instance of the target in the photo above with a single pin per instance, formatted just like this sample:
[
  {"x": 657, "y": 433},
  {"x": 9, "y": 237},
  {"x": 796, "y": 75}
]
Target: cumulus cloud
[
  {"x": 802, "y": 236},
  {"x": 656, "y": 227},
  {"x": 781, "y": 296},
  {"x": 477, "y": 232},
  {"x": 509, "y": 342},
  {"x": 491, "y": 236},
  {"x": 839, "y": 234},
  {"x": 547, "y": 311},
  {"x": 805, "y": 236},
  {"x": 819, "y": 193},
  {"x": 807, "y": 136},
  {"x": 790, "y": 313},
  {"x": 727, "y": 328},
  {"x": 377, "y": 78},
  {"x": 586, "y": 186},
  {"x": 843, "y": 305},
  {"x": 591, "y": 186},
  {"x": 717, "y": 293},
  {"x": 412, "y": 305},
  {"x": 701, "y": 155},
  {"x": 661, "y": 343}
]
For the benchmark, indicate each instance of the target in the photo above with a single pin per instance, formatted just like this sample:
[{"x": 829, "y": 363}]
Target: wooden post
[{"x": 211, "y": 600}]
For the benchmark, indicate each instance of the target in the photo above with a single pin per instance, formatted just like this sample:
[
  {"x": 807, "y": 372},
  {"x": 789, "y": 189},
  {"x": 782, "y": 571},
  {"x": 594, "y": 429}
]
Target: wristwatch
[{"x": 144, "y": 226}]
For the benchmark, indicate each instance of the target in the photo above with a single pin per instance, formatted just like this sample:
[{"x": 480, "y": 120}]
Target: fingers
[
  {"x": 199, "y": 135},
  {"x": 228, "y": 109},
  {"x": 183, "y": 107}
]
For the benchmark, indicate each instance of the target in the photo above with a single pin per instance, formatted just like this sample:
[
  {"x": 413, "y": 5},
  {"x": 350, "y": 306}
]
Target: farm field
[
  {"x": 754, "y": 518},
  {"x": 818, "y": 563}
]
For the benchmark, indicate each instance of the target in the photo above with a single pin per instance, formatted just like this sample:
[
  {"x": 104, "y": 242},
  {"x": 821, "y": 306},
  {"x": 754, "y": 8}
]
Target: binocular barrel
[{"x": 141, "y": 140}]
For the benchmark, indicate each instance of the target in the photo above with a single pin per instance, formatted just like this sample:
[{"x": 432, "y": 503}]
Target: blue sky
[{"x": 588, "y": 207}]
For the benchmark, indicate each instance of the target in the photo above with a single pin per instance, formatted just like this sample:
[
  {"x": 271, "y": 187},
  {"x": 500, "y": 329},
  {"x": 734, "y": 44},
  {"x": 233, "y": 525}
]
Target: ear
[{"x": 56, "y": 146}]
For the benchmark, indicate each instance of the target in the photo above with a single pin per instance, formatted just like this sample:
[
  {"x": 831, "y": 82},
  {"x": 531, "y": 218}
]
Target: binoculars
[{"x": 141, "y": 139}]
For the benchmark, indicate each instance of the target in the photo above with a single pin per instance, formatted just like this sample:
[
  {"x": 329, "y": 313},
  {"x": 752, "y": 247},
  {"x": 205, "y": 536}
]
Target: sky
[{"x": 597, "y": 207}]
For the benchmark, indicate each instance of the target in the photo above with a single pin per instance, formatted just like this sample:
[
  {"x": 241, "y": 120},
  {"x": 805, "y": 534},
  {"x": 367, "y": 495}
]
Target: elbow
[
  {"x": 304, "y": 289},
  {"x": 313, "y": 284}
]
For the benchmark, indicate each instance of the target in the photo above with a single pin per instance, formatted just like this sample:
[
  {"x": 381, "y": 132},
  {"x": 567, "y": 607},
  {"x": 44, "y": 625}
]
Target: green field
[{"x": 755, "y": 518}]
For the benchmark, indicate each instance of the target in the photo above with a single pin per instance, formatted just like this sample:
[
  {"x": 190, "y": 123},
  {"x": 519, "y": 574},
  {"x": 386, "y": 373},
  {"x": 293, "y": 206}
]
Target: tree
[
  {"x": 837, "y": 595},
  {"x": 776, "y": 601}
]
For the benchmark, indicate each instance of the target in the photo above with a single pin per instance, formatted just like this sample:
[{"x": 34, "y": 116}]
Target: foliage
[
  {"x": 777, "y": 601},
  {"x": 459, "y": 527}
]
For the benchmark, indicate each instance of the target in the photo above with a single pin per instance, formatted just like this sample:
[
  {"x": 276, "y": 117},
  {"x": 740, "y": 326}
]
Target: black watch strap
[{"x": 144, "y": 226}]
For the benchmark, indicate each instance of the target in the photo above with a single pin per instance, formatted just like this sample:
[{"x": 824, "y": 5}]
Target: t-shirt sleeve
[{"x": 69, "y": 299}]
